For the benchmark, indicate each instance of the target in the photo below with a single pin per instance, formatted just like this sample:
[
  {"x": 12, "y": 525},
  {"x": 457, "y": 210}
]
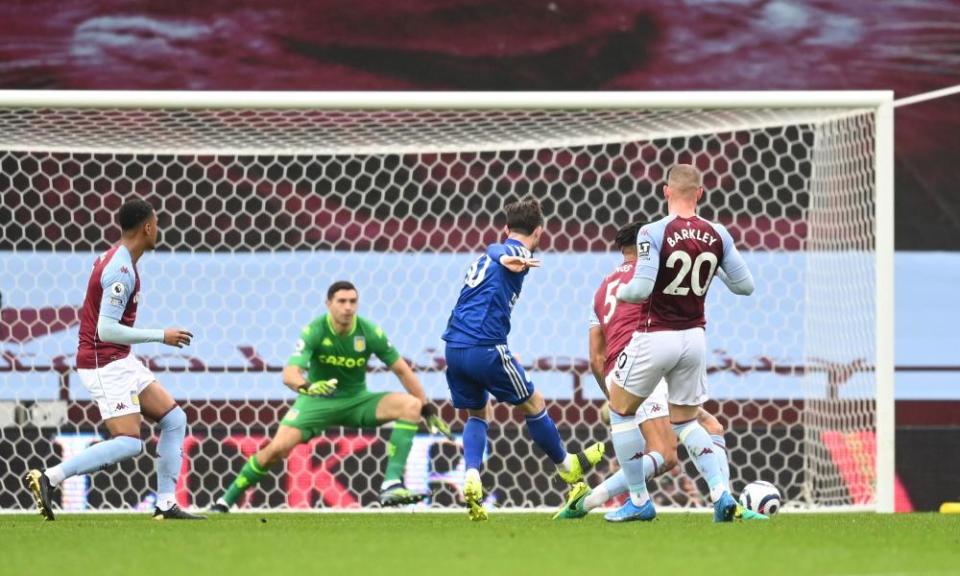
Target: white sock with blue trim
[{"x": 700, "y": 447}]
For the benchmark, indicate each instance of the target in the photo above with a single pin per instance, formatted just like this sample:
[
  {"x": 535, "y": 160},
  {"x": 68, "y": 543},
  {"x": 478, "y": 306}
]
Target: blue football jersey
[{"x": 482, "y": 314}]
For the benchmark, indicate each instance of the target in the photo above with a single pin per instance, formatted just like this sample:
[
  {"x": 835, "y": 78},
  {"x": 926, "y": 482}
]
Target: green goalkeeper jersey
[{"x": 324, "y": 354}]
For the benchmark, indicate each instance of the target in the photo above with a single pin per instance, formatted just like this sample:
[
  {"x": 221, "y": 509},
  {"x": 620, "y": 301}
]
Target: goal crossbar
[{"x": 441, "y": 100}]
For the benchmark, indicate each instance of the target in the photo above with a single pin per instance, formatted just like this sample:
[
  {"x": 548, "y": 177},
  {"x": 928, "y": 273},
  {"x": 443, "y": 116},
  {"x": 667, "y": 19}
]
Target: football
[{"x": 762, "y": 497}]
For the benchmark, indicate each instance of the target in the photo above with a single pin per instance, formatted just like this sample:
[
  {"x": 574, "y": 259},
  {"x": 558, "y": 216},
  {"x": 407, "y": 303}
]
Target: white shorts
[
  {"x": 116, "y": 387},
  {"x": 655, "y": 406},
  {"x": 679, "y": 357}
]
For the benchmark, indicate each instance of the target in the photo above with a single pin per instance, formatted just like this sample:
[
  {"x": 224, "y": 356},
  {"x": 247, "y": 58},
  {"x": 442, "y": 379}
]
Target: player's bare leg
[
  {"x": 158, "y": 405},
  {"x": 124, "y": 443},
  {"x": 258, "y": 466},
  {"x": 699, "y": 445},
  {"x": 710, "y": 423},
  {"x": 127, "y": 425},
  {"x": 623, "y": 402},
  {"x": 404, "y": 411}
]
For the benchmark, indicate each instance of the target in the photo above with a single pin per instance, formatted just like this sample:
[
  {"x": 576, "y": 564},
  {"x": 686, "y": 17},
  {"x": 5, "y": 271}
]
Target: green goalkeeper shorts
[{"x": 314, "y": 414}]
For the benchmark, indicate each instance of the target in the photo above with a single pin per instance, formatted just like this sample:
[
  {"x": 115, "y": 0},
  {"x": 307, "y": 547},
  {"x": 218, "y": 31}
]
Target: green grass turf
[{"x": 532, "y": 544}]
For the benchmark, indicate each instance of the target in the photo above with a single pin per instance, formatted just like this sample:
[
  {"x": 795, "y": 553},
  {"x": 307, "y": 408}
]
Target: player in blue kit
[{"x": 480, "y": 364}]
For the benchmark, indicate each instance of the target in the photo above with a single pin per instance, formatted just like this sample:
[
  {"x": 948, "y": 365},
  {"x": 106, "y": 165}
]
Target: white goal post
[{"x": 265, "y": 198}]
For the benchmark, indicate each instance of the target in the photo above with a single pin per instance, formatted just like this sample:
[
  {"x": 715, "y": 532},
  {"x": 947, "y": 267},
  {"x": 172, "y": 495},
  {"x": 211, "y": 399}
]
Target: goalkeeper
[{"x": 328, "y": 371}]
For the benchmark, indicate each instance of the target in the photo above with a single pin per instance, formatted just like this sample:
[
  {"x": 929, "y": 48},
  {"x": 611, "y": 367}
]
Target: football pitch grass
[{"x": 449, "y": 544}]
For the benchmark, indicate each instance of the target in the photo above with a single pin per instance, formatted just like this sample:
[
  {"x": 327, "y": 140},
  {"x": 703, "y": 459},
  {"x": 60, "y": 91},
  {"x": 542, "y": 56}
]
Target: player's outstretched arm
[
  {"x": 513, "y": 258},
  {"x": 118, "y": 286},
  {"x": 517, "y": 264},
  {"x": 111, "y": 330}
]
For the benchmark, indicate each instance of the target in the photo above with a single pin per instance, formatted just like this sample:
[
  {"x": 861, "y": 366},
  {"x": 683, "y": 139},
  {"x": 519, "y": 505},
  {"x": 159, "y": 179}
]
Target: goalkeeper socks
[
  {"x": 700, "y": 447},
  {"x": 545, "y": 434},
  {"x": 95, "y": 457},
  {"x": 474, "y": 442},
  {"x": 398, "y": 449},
  {"x": 721, "y": 443},
  {"x": 628, "y": 443},
  {"x": 173, "y": 428},
  {"x": 250, "y": 475}
]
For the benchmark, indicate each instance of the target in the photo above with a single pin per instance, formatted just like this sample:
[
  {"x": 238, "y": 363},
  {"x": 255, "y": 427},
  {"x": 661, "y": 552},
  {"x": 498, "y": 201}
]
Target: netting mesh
[
  {"x": 839, "y": 324},
  {"x": 261, "y": 210},
  {"x": 313, "y": 131}
]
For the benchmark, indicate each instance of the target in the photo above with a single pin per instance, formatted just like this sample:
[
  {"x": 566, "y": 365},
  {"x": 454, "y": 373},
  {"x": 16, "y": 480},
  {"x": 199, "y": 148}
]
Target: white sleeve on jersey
[
  {"x": 117, "y": 288},
  {"x": 118, "y": 283},
  {"x": 111, "y": 330}
]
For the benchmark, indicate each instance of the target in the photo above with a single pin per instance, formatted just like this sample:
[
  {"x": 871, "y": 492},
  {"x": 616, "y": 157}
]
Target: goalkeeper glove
[
  {"x": 319, "y": 388},
  {"x": 434, "y": 423}
]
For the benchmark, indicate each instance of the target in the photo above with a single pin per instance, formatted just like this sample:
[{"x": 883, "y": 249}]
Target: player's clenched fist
[{"x": 177, "y": 337}]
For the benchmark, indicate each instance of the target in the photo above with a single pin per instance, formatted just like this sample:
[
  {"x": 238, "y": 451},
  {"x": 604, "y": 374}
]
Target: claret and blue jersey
[
  {"x": 113, "y": 290},
  {"x": 680, "y": 256},
  {"x": 478, "y": 360}
]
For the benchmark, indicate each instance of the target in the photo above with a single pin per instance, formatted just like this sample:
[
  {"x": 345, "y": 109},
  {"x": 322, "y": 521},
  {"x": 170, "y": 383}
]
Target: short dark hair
[
  {"x": 338, "y": 286},
  {"x": 627, "y": 235},
  {"x": 134, "y": 213},
  {"x": 524, "y": 216}
]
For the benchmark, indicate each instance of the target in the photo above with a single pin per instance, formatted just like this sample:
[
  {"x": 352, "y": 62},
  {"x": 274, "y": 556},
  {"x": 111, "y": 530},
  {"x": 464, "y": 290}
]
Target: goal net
[{"x": 264, "y": 200}]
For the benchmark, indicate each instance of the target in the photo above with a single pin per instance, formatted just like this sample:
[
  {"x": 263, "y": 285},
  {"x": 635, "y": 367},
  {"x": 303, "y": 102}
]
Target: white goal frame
[{"x": 882, "y": 102}]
